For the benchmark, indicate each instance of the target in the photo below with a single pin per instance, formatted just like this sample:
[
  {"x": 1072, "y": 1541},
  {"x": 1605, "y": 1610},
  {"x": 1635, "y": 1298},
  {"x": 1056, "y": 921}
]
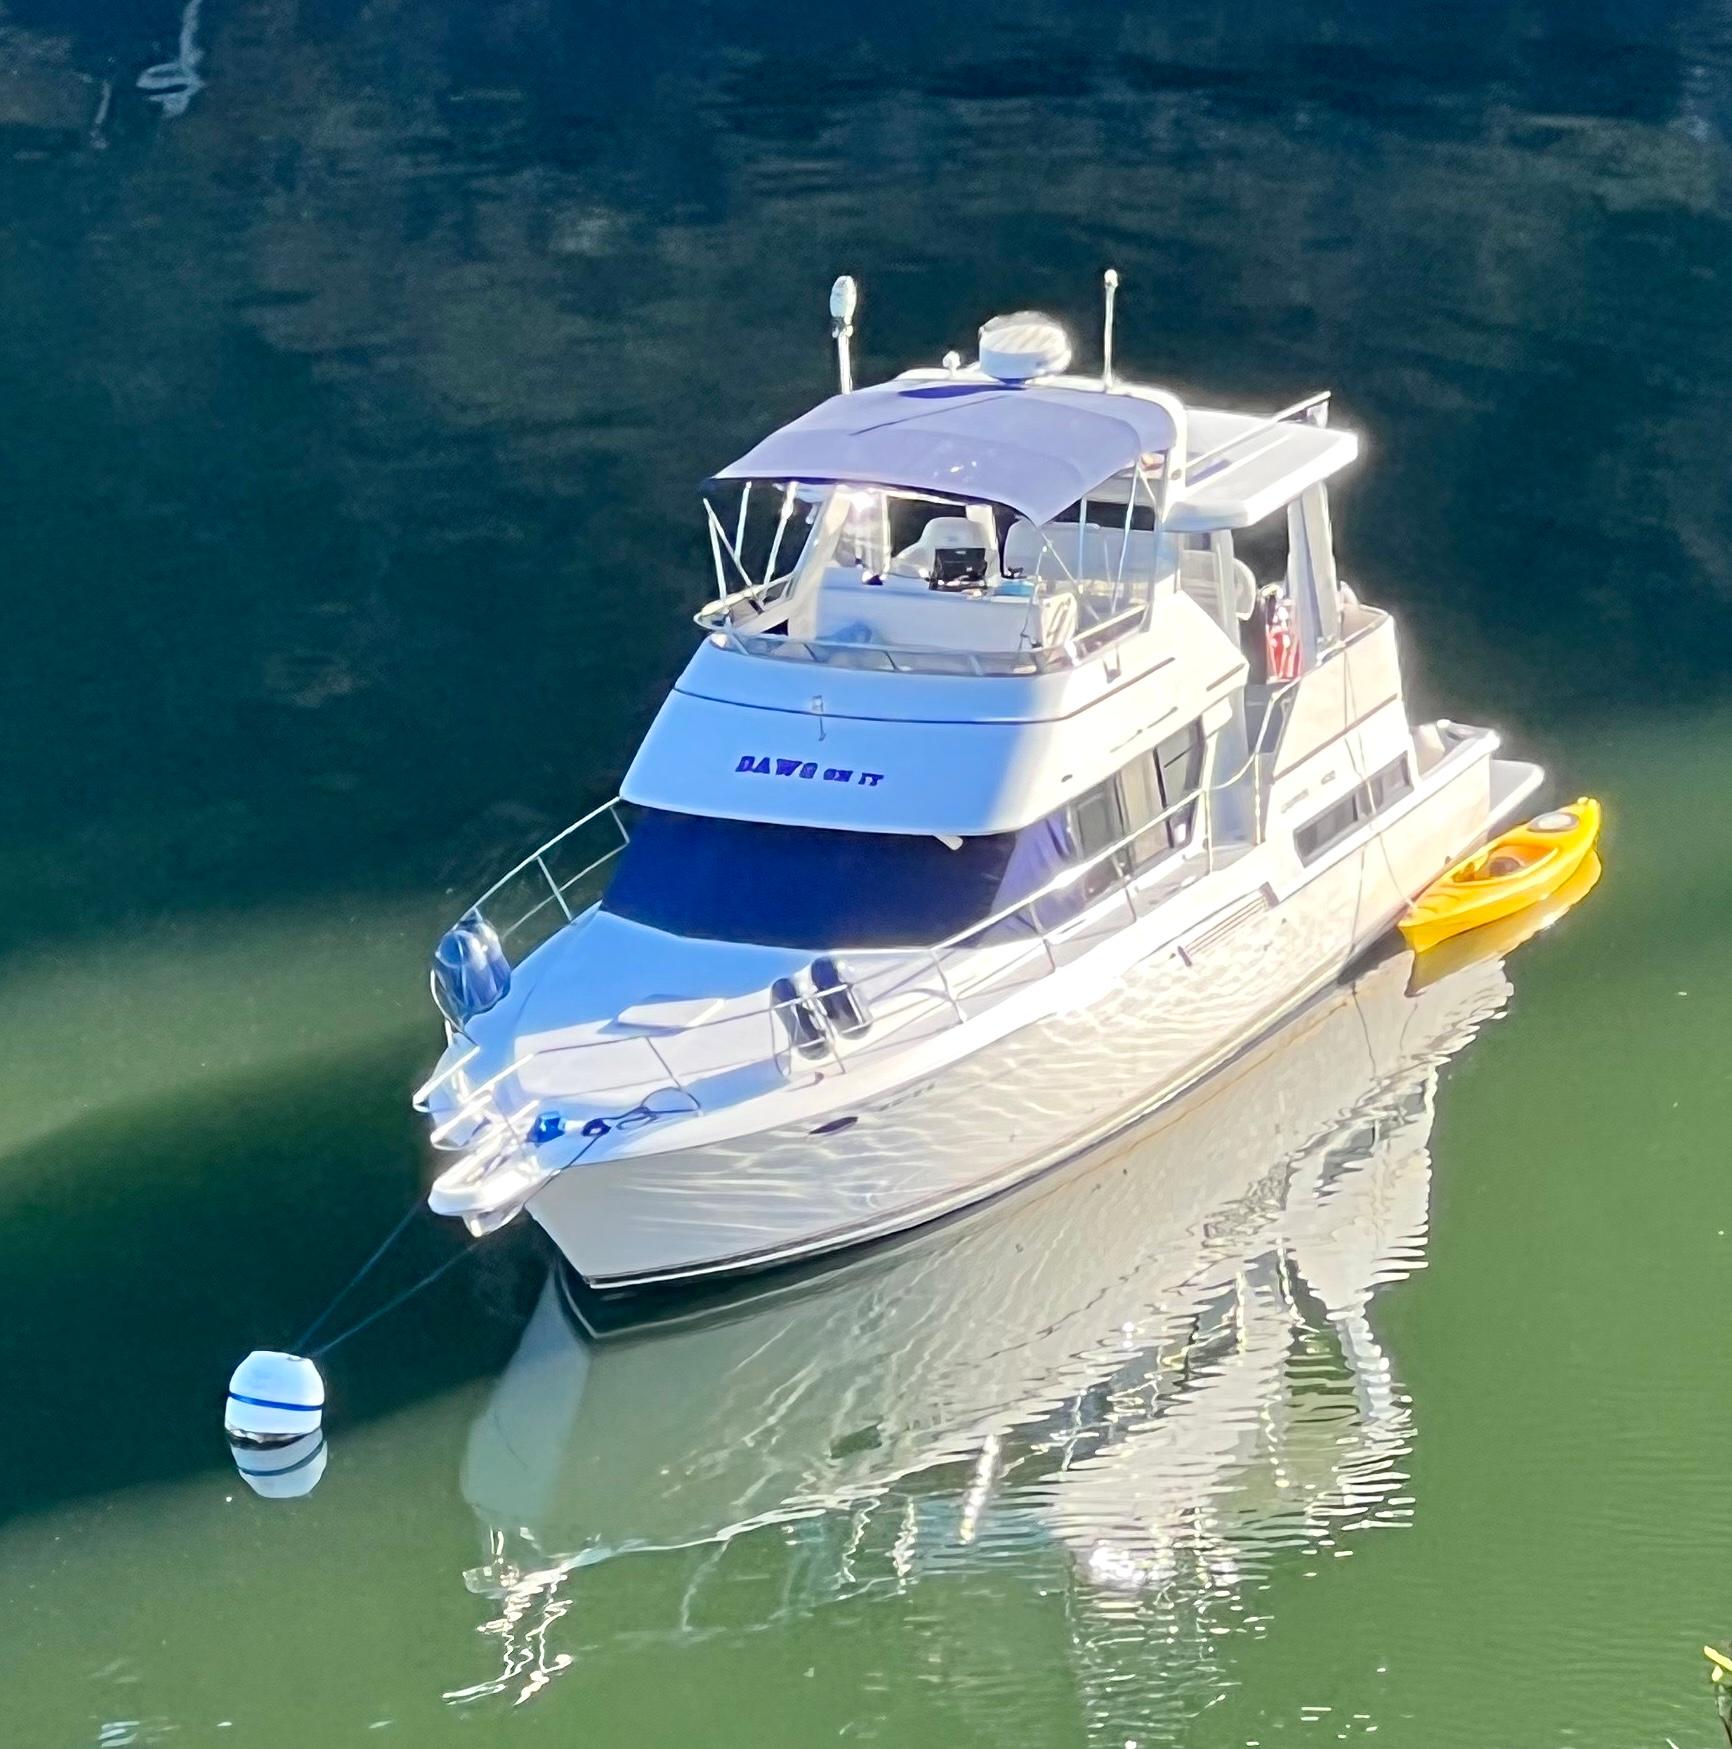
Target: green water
[{"x": 354, "y": 415}]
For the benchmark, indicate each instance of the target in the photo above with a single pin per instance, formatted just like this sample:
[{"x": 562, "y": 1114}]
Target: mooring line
[
  {"x": 324, "y": 1348},
  {"x": 343, "y": 1293}
]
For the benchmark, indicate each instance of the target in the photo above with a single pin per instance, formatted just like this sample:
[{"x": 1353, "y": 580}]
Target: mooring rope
[
  {"x": 354, "y": 1280},
  {"x": 391, "y": 1305},
  {"x": 592, "y": 1132}
]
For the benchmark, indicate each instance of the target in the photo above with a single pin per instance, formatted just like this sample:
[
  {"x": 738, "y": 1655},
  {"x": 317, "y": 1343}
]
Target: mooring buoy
[{"x": 274, "y": 1397}]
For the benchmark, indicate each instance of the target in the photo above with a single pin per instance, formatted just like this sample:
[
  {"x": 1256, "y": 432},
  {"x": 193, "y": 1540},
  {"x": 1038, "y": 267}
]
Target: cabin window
[
  {"x": 806, "y": 886},
  {"x": 1138, "y": 794},
  {"x": 1390, "y": 784},
  {"x": 1140, "y": 786},
  {"x": 1381, "y": 790},
  {"x": 1331, "y": 826},
  {"x": 1179, "y": 762},
  {"x": 1097, "y": 824}
]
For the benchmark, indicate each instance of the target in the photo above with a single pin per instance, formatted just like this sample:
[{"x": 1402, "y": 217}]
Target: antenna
[
  {"x": 844, "y": 301},
  {"x": 1110, "y": 279}
]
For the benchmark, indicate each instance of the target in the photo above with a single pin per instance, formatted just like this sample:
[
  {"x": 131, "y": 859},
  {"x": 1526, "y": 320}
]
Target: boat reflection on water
[{"x": 1145, "y": 1379}]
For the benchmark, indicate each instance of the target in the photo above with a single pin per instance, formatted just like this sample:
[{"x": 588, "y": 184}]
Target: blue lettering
[{"x": 763, "y": 765}]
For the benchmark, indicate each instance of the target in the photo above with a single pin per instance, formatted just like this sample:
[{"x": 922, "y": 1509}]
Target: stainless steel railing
[
  {"x": 714, "y": 618},
  {"x": 557, "y": 890}
]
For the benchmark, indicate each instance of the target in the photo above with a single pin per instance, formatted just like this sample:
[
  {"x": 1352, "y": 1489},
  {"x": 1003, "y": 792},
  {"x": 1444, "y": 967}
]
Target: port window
[
  {"x": 1390, "y": 784},
  {"x": 1331, "y": 826},
  {"x": 1140, "y": 796},
  {"x": 1179, "y": 766},
  {"x": 1381, "y": 790},
  {"x": 1098, "y": 823},
  {"x": 1137, "y": 795}
]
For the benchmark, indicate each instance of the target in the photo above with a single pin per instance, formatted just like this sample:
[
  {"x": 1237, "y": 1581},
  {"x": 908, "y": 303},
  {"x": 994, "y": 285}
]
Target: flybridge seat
[{"x": 952, "y": 552}]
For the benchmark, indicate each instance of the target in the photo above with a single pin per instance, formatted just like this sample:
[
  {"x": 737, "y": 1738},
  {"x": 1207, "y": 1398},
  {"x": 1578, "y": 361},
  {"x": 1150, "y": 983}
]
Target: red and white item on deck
[{"x": 1281, "y": 643}]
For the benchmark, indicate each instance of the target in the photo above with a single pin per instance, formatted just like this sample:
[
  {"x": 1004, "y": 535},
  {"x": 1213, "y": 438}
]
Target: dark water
[{"x": 358, "y": 373}]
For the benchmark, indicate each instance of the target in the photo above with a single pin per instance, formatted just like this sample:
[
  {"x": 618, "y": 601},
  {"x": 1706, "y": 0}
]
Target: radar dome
[{"x": 1024, "y": 344}]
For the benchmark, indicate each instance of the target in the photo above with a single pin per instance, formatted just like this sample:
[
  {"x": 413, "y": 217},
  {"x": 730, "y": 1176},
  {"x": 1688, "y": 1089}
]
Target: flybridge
[{"x": 998, "y": 519}]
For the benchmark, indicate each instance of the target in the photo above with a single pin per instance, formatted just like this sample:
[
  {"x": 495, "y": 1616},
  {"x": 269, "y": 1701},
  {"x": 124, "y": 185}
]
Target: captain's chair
[{"x": 953, "y": 552}]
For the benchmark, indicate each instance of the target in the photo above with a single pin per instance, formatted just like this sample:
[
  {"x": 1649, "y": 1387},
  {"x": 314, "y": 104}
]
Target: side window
[
  {"x": 1329, "y": 827},
  {"x": 1179, "y": 763},
  {"x": 1381, "y": 790},
  {"x": 1140, "y": 792},
  {"x": 1140, "y": 796},
  {"x": 1098, "y": 823},
  {"x": 1390, "y": 784}
]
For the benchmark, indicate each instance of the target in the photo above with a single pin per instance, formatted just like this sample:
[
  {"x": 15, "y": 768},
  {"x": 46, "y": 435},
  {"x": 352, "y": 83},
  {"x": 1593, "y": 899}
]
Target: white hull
[{"x": 1189, "y": 999}]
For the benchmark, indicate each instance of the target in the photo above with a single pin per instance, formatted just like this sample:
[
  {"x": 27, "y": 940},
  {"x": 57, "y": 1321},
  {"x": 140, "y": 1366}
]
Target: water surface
[{"x": 360, "y": 364}]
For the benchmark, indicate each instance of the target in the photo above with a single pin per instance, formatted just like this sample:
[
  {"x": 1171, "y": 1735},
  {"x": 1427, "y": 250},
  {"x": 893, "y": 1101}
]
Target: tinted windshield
[{"x": 807, "y": 886}]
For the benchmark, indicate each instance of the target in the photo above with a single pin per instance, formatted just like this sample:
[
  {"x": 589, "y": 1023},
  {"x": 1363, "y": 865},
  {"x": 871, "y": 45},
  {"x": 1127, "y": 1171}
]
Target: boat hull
[{"x": 1023, "y": 1105}]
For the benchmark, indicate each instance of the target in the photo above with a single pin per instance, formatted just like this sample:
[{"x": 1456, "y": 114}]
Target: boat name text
[{"x": 807, "y": 768}]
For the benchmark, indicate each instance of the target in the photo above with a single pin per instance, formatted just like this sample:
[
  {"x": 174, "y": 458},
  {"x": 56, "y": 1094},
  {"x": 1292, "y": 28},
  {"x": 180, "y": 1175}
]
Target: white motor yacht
[{"x": 1034, "y": 760}]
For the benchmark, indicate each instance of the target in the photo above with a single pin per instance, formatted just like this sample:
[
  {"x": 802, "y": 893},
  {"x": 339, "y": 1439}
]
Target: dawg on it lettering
[{"x": 763, "y": 765}]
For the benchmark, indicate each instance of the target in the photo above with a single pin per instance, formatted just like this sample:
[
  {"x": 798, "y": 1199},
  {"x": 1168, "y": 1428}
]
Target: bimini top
[{"x": 1035, "y": 448}]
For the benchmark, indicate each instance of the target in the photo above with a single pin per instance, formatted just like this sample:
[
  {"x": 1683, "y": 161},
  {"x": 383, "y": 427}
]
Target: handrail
[
  {"x": 1192, "y": 463},
  {"x": 917, "y": 658},
  {"x": 556, "y": 889}
]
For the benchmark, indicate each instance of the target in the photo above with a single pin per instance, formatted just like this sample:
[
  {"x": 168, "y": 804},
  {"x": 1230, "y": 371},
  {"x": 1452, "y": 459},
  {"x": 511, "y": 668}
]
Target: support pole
[{"x": 1111, "y": 281}]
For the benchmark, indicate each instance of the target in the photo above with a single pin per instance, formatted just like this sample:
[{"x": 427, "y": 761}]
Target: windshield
[{"x": 813, "y": 887}]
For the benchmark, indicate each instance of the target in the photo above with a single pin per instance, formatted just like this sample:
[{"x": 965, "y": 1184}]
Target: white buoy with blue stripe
[{"x": 273, "y": 1398}]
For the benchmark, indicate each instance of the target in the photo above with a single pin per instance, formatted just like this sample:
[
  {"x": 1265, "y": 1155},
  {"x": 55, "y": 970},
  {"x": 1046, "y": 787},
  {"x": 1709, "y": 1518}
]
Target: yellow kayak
[
  {"x": 1492, "y": 941},
  {"x": 1506, "y": 876}
]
